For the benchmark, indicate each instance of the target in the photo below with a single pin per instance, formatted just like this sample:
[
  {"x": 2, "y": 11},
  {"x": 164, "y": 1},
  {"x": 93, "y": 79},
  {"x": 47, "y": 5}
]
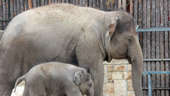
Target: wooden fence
[
  {"x": 155, "y": 45},
  {"x": 147, "y": 14},
  {"x": 10, "y": 8}
]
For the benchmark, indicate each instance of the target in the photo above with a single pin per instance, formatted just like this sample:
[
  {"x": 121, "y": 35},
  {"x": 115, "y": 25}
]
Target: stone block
[
  {"x": 105, "y": 79},
  {"x": 120, "y": 68},
  {"x": 105, "y": 69},
  {"x": 108, "y": 89},
  {"x": 118, "y": 78},
  {"x": 119, "y": 61},
  {"x": 109, "y": 68},
  {"x": 129, "y": 67},
  {"x": 120, "y": 88},
  {"x": 131, "y": 93},
  {"x": 106, "y": 63},
  {"x": 109, "y": 76},
  {"x": 130, "y": 86},
  {"x": 127, "y": 75},
  {"x": 117, "y": 75}
]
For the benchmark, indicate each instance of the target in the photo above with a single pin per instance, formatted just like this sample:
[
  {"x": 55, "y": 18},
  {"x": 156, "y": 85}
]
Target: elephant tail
[{"x": 19, "y": 80}]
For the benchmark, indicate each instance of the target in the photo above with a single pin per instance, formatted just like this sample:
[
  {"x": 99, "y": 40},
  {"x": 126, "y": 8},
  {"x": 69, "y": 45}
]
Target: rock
[
  {"x": 120, "y": 88},
  {"x": 128, "y": 75},
  {"x": 108, "y": 89},
  {"x": 130, "y": 86},
  {"x": 119, "y": 61},
  {"x": 117, "y": 75},
  {"x": 118, "y": 78},
  {"x": 120, "y": 67},
  {"x": 131, "y": 93}
]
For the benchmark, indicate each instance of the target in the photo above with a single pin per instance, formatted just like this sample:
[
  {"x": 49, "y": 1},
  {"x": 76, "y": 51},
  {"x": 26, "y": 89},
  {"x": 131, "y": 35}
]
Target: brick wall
[{"x": 117, "y": 81}]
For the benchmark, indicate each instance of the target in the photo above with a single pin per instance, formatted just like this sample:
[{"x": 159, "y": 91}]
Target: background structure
[{"x": 147, "y": 14}]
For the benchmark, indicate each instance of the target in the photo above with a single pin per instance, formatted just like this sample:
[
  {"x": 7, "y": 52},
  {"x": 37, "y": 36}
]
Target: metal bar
[
  {"x": 149, "y": 85},
  {"x": 156, "y": 88},
  {"x": 7, "y": 20},
  {"x": 165, "y": 59},
  {"x": 156, "y": 72},
  {"x": 9, "y": 7},
  {"x": 149, "y": 79},
  {"x": 153, "y": 29}
]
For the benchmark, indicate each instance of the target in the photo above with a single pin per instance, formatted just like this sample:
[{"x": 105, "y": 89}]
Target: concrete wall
[{"x": 118, "y": 78}]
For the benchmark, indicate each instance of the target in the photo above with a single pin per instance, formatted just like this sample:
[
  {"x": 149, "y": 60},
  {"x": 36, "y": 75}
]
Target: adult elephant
[{"x": 66, "y": 33}]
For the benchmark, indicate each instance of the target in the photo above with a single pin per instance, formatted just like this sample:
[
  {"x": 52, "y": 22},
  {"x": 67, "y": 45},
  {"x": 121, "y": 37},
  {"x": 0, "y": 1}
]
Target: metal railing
[
  {"x": 149, "y": 73},
  {"x": 153, "y": 29}
]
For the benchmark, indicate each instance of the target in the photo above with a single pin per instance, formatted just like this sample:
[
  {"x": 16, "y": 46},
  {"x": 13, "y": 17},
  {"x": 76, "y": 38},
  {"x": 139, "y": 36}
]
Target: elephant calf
[{"x": 57, "y": 79}]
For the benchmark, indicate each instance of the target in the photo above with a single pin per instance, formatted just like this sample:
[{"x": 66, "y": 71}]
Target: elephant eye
[{"x": 87, "y": 79}]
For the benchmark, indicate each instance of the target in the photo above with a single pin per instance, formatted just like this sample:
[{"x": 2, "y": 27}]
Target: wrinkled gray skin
[
  {"x": 78, "y": 35},
  {"x": 57, "y": 79}
]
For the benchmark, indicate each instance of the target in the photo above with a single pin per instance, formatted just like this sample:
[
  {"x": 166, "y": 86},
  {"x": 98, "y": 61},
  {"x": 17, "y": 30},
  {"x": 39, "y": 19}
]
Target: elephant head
[
  {"x": 121, "y": 41},
  {"x": 83, "y": 80}
]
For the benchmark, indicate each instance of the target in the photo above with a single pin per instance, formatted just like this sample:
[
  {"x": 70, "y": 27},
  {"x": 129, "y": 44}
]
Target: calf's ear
[{"x": 77, "y": 77}]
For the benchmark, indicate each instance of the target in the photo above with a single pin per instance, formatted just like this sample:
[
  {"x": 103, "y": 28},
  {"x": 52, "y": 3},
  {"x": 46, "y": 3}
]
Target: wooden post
[
  {"x": 157, "y": 44},
  {"x": 131, "y": 7},
  {"x": 162, "y": 81},
  {"x": 91, "y": 3},
  {"x": 144, "y": 45},
  {"x": 120, "y": 4},
  {"x": 49, "y": 1},
  {"x": 29, "y": 4},
  {"x": 166, "y": 45},
  {"x": 124, "y": 4},
  {"x": 148, "y": 39},
  {"x": 153, "y": 46}
]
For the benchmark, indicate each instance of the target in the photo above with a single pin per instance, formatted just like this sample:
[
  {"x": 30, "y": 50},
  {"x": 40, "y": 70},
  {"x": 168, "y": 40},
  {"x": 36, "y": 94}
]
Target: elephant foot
[{"x": 98, "y": 93}]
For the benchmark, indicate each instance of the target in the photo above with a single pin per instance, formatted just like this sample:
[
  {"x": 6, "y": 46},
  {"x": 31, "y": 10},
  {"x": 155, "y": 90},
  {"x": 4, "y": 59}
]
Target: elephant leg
[
  {"x": 6, "y": 83},
  {"x": 98, "y": 79},
  {"x": 96, "y": 69},
  {"x": 5, "y": 89},
  {"x": 137, "y": 80},
  {"x": 90, "y": 56},
  {"x": 73, "y": 90},
  {"x": 74, "y": 93},
  {"x": 7, "y": 80}
]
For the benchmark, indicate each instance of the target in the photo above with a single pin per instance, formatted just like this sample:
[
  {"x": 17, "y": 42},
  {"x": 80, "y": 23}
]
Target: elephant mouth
[{"x": 108, "y": 58}]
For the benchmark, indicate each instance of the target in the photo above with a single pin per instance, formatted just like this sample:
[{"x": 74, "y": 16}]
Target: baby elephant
[{"x": 57, "y": 79}]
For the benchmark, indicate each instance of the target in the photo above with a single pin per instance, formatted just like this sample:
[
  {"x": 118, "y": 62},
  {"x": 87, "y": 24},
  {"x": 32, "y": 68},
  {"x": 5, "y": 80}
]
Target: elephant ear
[
  {"x": 112, "y": 27},
  {"x": 78, "y": 77},
  {"x": 109, "y": 34}
]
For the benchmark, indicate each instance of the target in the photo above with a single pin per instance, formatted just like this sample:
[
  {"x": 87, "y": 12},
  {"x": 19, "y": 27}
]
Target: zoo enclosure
[{"x": 147, "y": 14}]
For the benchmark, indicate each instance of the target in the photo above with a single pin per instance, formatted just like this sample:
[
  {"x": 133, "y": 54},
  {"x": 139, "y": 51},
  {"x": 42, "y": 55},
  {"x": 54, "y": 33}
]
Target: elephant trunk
[{"x": 136, "y": 59}]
